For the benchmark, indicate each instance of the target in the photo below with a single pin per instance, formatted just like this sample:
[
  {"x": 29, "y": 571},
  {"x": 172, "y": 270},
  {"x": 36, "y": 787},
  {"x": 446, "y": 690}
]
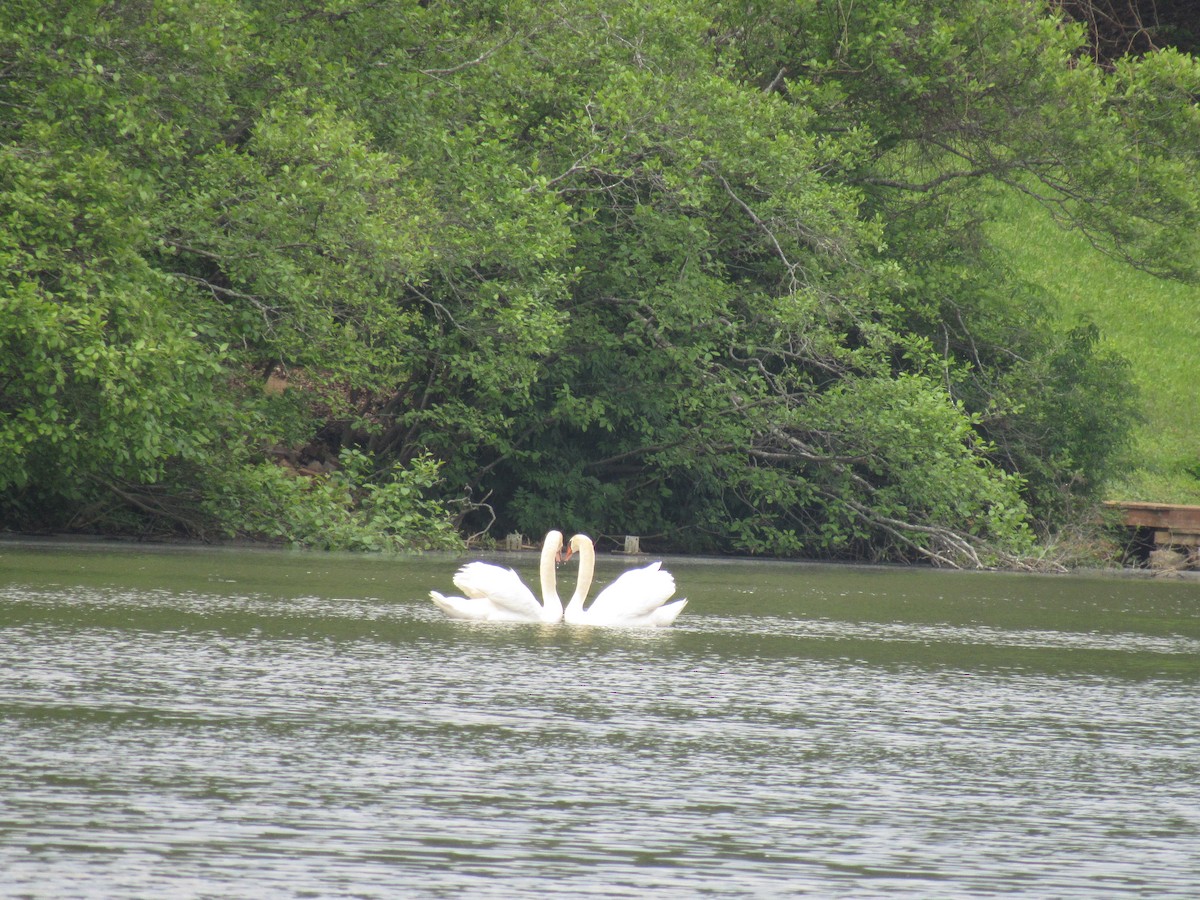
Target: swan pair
[{"x": 495, "y": 594}]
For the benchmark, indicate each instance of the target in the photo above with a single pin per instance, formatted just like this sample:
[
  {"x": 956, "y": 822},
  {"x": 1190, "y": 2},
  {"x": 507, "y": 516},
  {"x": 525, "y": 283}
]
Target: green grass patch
[{"x": 1153, "y": 322}]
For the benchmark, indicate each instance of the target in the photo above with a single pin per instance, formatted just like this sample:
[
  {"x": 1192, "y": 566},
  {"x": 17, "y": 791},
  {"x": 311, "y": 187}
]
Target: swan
[
  {"x": 496, "y": 594},
  {"x": 637, "y": 598}
]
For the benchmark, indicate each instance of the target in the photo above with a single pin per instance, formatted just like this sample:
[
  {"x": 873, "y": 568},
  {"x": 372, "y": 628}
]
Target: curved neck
[
  {"x": 552, "y": 607},
  {"x": 587, "y": 566}
]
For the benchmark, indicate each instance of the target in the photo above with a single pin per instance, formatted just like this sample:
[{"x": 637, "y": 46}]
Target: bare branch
[
  {"x": 788, "y": 264},
  {"x": 776, "y": 81},
  {"x": 481, "y": 58}
]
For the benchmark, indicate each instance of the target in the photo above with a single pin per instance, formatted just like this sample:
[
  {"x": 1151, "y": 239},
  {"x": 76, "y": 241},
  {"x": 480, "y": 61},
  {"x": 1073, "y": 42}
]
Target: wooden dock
[{"x": 1172, "y": 526}]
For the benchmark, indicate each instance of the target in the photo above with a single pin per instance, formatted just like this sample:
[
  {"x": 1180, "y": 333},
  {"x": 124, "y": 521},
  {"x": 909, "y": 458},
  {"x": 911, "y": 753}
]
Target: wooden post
[
  {"x": 632, "y": 544},
  {"x": 513, "y": 541}
]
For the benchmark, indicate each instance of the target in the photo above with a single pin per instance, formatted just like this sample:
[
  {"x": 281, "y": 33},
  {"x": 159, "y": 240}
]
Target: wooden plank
[
  {"x": 1169, "y": 538},
  {"x": 1181, "y": 519},
  {"x": 1172, "y": 525}
]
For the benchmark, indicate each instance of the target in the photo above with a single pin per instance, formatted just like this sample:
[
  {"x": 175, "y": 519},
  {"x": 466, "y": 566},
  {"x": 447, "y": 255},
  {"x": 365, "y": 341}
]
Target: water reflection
[{"x": 226, "y": 724}]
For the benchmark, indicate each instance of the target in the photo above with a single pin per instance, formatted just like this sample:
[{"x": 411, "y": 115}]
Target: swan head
[
  {"x": 576, "y": 543},
  {"x": 555, "y": 539}
]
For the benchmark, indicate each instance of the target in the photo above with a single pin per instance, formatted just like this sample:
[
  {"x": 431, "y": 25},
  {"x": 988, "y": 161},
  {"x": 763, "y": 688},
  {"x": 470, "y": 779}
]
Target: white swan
[
  {"x": 496, "y": 594},
  {"x": 637, "y": 598}
]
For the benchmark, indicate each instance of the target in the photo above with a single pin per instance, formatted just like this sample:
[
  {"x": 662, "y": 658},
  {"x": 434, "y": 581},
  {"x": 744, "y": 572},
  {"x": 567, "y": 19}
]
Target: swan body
[
  {"x": 638, "y": 598},
  {"x": 496, "y": 594}
]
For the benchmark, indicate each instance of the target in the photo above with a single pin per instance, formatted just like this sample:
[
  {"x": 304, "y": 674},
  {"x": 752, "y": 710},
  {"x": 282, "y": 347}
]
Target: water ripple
[{"x": 218, "y": 743}]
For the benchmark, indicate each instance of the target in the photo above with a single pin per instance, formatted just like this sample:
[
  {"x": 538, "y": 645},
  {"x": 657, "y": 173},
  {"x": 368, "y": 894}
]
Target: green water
[{"x": 238, "y": 723}]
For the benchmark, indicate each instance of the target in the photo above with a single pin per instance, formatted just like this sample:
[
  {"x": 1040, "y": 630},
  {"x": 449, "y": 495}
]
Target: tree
[
  {"x": 968, "y": 100},
  {"x": 138, "y": 322},
  {"x": 707, "y": 271},
  {"x": 102, "y": 379},
  {"x": 732, "y": 308}
]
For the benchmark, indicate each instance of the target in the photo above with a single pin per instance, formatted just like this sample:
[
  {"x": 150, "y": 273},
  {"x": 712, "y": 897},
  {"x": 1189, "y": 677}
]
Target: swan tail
[
  {"x": 666, "y": 614},
  {"x": 442, "y": 602},
  {"x": 459, "y": 607}
]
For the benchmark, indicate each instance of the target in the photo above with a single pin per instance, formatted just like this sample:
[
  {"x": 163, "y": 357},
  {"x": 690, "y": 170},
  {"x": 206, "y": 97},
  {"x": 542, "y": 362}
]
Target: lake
[{"x": 196, "y": 722}]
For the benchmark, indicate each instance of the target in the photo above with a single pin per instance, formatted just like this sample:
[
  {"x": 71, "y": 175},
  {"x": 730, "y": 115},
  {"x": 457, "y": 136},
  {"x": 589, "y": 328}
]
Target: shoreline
[{"x": 99, "y": 542}]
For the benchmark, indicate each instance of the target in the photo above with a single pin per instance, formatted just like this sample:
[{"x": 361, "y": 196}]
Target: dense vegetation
[{"x": 373, "y": 273}]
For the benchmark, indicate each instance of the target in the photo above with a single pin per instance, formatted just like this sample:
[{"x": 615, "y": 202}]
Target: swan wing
[
  {"x": 503, "y": 588},
  {"x": 634, "y": 595}
]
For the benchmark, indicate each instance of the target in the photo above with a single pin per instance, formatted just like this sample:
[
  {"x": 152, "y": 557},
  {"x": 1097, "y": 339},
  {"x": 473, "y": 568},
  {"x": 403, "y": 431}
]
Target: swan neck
[
  {"x": 587, "y": 566},
  {"x": 552, "y": 607}
]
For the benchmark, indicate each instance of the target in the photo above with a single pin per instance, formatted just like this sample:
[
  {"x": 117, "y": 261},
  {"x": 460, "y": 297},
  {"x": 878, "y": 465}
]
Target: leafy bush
[{"x": 351, "y": 508}]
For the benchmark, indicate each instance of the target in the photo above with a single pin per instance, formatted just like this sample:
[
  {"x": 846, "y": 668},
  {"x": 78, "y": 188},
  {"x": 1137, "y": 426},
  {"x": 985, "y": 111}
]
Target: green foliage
[
  {"x": 351, "y": 508},
  {"x": 706, "y": 271},
  {"x": 303, "y": 239},
  {"x": 101, "y": 378},
  {"x": 923, "y": 460}
]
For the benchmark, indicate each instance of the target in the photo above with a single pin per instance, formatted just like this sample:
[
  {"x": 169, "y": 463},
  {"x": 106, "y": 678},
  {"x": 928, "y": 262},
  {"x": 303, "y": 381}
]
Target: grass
[{"x": 1152, "y": 322}]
